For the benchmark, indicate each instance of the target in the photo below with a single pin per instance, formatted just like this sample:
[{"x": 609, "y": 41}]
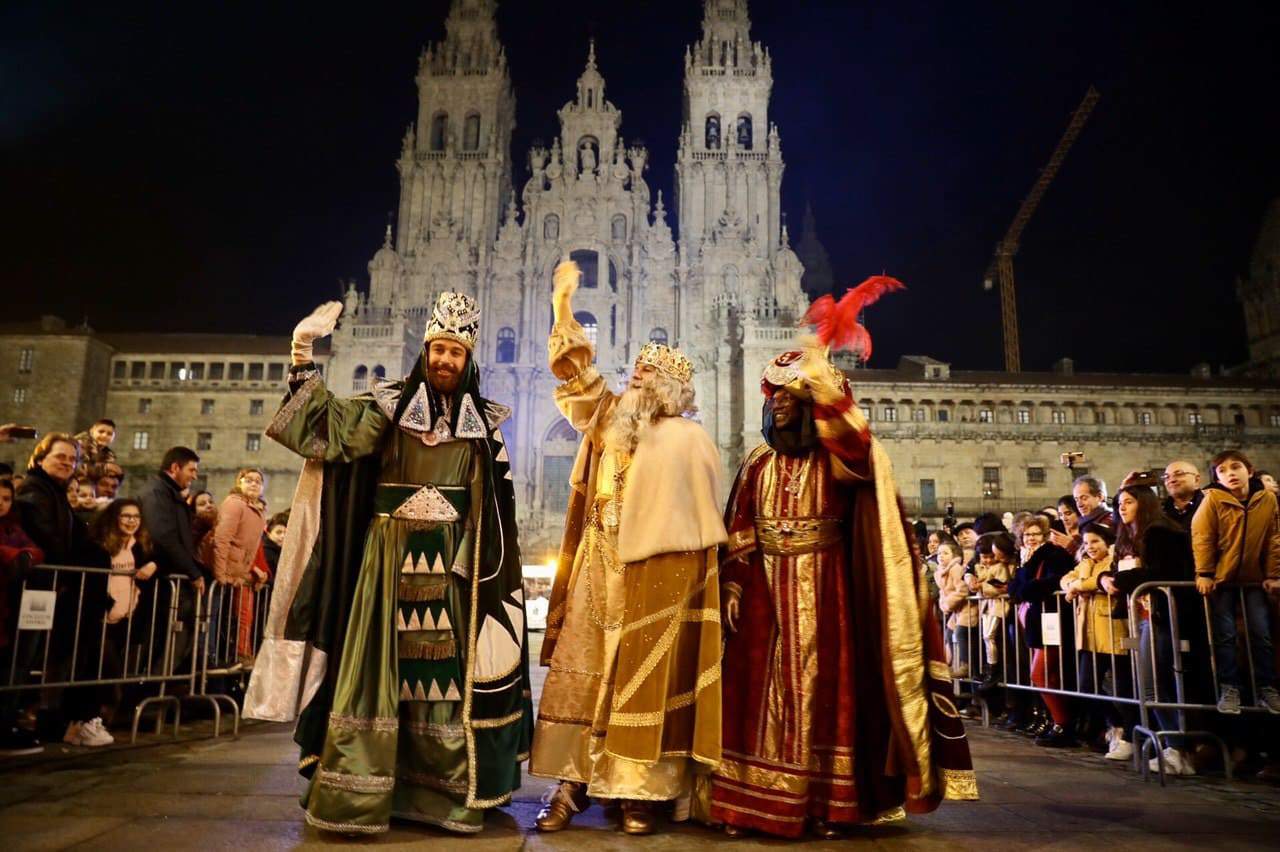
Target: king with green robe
[{"x": 396, "y": 636}]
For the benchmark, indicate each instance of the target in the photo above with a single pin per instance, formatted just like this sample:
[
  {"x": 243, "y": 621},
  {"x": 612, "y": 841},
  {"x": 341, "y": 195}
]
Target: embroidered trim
[
  {"x": 959, "y": 784},
  {"x": 346, "y": 827},
  {"x": 356, "y": 783},
  {"x": 382, "y": 724},
  {"x": 292, "y": 406},
  {"x": 419, "y": 592},
  {"x": 435, "y": 729},
  {"x": 753, "y": 812},
  {"x": 412, "y": 649},
  {"x": 423, "y": 779},
  {"x": 939, "y": 670},
  {"x": 308, "y": 760},
  {"x": 426, "y": 504},
  {"x": 448, "y": 824},
  {"x": 498, "y": 723},
  {"x": 676, "y": 702},
  {"x": 496, "y": 414}
]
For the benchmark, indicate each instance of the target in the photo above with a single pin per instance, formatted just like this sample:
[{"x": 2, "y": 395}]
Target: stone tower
[
  {"x": 455, "y": 181},
  {"x": 1260, "y": 294},
  {"x": 740, "y": 280}
]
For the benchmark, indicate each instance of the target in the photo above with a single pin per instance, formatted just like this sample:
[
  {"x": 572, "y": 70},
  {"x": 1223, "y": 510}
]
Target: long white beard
[{"x": 636, "y": 410}]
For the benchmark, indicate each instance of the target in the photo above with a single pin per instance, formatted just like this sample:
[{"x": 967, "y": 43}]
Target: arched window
[
  {"x": 658, "y": 335},
  {"x": 618, "y": 227},
  {"x": 506, "y": 345},
  {"x": 744, "y": 131},
  {"x": 471, "y": 132},
  {"x": 360, "y": 379},
  {"x": 588, "y": 322},
  {"x": 713, "y": 132},
  {"x": 439, "y": 127},
  {"x": 379, "y": 373},
  {"x": 589, "y": 262},
  {"x": 551, "y": 228}
]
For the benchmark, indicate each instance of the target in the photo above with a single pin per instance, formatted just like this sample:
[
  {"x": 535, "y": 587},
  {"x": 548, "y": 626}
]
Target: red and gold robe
[{"x": 836, "y": 668}]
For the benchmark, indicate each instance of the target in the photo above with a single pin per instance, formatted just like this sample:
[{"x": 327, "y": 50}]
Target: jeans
[
  {"x": 1094, "y": 669},
  {"x": 1157, "y": 681},
  {"x": 1224, "y": 602}
]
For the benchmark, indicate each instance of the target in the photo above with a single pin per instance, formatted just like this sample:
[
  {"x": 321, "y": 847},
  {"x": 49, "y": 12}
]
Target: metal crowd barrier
[
  {"x": 172, "y": 639},
  {"x": 1170, "y": 685}
]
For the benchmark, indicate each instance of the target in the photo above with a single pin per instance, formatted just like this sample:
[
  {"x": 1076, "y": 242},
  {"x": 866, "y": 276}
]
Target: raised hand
[
  {"x": 319, "y": 323},
  {"x": 565, "y": 278}
]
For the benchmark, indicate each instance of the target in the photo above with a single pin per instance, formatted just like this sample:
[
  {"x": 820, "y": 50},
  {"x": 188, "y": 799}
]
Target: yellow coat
[{"x": 1096, "y": 630}]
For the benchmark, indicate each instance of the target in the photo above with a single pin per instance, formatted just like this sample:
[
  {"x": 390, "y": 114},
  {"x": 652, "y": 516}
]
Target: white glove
[{"x": 320, "y": 323}]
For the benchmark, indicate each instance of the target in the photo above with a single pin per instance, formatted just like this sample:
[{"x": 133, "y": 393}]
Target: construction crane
[{"x": 1002, "y": 263}]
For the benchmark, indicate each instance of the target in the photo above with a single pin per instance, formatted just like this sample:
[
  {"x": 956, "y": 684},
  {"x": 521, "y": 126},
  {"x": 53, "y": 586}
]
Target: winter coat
[
  {"x": 1234, "y": 541},
  {"x": 1036, "y": 583},
  {"x": 1096, "y": 628},
  {"x": 236, "y": 539},
  {"x": 1182, "y": 517},
  {"x": 168, "y": 521},
  {"x": 14, "y": 544},
  {"x": 993, "y": 586},
  {"x": 953, "y": 597},
  {"x": 47, "y": 518},
  {"x": 92, "y": 457}
]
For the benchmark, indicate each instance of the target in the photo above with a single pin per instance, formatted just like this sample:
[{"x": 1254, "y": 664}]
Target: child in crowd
[
  {"x": 954, "y": 600},
  {"x": 997, "y": 561},
  {"x": 1101, "y": 629},
  {"x": 1236, "y": 542}
]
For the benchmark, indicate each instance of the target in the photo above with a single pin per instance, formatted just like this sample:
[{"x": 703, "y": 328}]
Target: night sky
[{"x": 220, "y": 166}]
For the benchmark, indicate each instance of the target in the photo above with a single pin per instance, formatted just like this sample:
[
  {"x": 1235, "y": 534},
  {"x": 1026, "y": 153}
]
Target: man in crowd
[
  {"x": 631, "y": 706},
  {"x": 1182, "y": 482},
  {"x": 168, "y": 521},
  {"x": 406, "y": 501},
  {"x": 110, "y": 476},
  {"x": 829, "y": 639},
  {"x": 1091, "y": 499}
]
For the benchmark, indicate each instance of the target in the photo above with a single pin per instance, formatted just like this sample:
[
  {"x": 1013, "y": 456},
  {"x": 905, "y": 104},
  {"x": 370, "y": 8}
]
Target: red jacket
[{"x": 13, "y": 543}]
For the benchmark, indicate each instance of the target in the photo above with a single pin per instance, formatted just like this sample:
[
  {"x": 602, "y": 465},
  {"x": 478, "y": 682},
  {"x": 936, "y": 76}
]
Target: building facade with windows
[
  {"x": 993, "y": 441},
  {"x": 214, "y": 393}
]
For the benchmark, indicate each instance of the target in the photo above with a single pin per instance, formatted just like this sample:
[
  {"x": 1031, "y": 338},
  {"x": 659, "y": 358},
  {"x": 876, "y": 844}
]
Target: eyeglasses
[
  {"x": 130, "y": 517},
  {"x": 1176, "y": 474}
]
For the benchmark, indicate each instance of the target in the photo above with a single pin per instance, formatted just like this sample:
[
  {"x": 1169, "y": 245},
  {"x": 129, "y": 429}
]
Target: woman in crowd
[
  {"x": 236, "y": 541},
  {"x": 1034, "y": 588},
  {"x": 17, "y": 554},
  {"x": 1101, "y": 628},
  {"x": 123, "y": 546},
  {"x": 1151, "y": 548},
  {"x": 1069, "y": 517}
]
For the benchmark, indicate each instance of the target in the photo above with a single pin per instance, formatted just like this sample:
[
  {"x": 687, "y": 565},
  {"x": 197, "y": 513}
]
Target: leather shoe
[
  {"x": 566, "y": 800},
  {"x": 1056, "y": 737},
  {"x": 735, "y": 831},
  {"x": 637, "y": 817},
  {"x": 825, "y": 830}
]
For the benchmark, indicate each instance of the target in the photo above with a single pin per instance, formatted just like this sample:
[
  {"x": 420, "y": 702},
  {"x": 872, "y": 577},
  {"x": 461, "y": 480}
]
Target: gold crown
[
  {"x": 666, "y": 360},
  {"x": 455, "y": 317}
]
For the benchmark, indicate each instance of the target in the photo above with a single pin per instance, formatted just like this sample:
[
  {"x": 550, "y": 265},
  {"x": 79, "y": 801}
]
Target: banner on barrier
[{"x": 36, "y": 611}]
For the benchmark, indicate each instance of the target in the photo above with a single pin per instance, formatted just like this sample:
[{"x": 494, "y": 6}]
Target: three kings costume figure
[
  {"x": 630, "y": 711},
  {"x": 396, "y": 635},
  {"x": 834, "y": 656}
]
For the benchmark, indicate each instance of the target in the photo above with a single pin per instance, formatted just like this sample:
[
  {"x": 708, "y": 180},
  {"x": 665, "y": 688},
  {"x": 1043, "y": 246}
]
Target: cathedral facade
[{"x": 726, "y": 288}]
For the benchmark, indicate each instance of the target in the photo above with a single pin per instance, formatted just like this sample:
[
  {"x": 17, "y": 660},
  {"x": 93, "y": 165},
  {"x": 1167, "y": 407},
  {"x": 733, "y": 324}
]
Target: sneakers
[
  {"x": 91, "y": 734},
  {"x": 1175, "y": 763},
  {"x": 15, "y": 742},
  {"x": 1229, "y": 701},
  {"x": 1120, "y": 749},
  {"x": 1269, "y": 699}
]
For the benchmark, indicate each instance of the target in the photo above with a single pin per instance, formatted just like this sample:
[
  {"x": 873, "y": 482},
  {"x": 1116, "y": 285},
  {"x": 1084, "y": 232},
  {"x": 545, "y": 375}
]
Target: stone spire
[{"x": 818, "y": 279}]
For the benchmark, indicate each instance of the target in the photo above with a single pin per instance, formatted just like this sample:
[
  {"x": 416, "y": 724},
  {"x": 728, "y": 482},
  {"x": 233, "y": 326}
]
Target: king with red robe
[{"x": 834, "y": 657}]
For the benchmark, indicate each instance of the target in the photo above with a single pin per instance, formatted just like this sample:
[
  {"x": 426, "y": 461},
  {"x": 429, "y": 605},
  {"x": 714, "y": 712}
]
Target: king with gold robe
[{"x": 630, "y": 711}]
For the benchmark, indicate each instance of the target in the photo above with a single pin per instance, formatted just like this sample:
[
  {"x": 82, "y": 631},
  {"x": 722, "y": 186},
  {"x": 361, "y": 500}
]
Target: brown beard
[{"x": 443, "y": 381}]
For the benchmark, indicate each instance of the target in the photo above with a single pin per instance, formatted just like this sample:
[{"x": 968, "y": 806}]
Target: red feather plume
[{"x": 836, "y": 323}]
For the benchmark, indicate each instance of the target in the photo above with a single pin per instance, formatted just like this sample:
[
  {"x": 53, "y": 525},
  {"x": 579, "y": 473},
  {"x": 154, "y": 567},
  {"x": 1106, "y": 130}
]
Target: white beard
[{"x": 636, "y": 410}]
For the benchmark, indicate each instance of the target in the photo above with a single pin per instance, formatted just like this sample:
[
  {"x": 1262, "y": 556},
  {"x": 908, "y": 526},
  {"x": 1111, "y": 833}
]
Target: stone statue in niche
[
  {"x": 744, "y": 132},
  {"x": 587, "y": 158},
  {"x": 551, "y": 228}
]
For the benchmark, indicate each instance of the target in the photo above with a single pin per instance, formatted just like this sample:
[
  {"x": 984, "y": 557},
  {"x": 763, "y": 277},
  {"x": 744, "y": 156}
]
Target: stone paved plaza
[{"x": 242, "y": 794}]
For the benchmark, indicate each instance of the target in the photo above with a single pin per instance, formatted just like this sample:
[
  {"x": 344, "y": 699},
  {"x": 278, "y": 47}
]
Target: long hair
[
  {"x": 105, "y": 529},
  {"x": 659, "y": 396},
  {"x": 45, "y": 446},
  {"x": 1129, "y": 541}
]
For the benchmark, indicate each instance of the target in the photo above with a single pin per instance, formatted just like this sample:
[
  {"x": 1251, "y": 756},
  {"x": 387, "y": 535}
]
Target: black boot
[{"x": 1056, "y": 737}]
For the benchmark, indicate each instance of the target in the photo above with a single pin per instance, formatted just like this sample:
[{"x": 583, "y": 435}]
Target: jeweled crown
[
  {"x": 666, "y": 360},
  {"x": 455, "y": 317}
]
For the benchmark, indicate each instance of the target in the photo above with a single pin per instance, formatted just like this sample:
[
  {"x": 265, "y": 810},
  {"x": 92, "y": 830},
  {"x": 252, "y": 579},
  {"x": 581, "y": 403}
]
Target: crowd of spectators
[
  {"x": 1043, "y": 625},
  {"x": 120, "y": 557}
]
